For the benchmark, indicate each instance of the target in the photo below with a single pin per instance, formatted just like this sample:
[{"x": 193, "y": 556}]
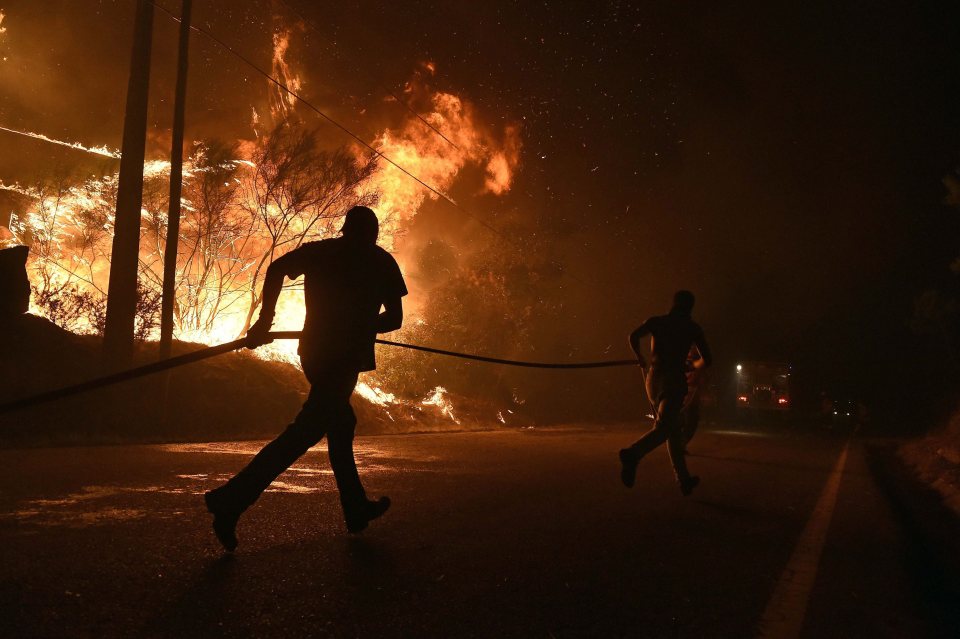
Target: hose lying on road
[{"x": 213, "y": 351}]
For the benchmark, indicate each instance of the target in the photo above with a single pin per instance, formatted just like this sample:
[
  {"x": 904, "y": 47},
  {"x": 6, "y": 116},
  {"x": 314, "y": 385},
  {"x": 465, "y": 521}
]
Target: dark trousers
[
  {"x": 327, "y": 411},
  {"x": 666, "y": 394}
]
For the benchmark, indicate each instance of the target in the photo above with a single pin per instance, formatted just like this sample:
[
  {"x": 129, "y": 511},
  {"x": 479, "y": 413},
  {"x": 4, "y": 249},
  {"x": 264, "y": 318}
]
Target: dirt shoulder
[{"x": 935, "y": 459}]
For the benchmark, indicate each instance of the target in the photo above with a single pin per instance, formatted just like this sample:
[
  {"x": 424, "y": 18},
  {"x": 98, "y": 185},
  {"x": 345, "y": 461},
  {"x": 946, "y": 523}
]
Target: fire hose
[{"x": 213, "y": 351}]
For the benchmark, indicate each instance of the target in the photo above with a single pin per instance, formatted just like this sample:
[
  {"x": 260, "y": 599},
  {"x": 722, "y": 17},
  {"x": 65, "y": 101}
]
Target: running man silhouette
[
  {"x": 671, "y": 337},
  {"x": 346, "y": 281}
]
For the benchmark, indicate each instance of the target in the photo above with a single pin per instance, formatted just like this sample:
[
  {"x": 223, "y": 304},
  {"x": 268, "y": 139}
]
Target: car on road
[{"x": 845, "y": 412}]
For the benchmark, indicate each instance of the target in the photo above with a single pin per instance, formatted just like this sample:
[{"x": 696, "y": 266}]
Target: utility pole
[
  {"x": 125, "y": 255},
  {"x": 176, "y": 186}
]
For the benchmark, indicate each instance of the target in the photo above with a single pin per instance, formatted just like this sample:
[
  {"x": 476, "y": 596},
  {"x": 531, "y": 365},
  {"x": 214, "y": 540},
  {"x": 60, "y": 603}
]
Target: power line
[
  {"x": 96, "y": 150},
  {"x": 312, "y": 25}
]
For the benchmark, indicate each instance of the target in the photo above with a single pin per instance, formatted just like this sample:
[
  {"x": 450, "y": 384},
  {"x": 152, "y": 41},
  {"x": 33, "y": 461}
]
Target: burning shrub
[
  {"x": 85, "y": 312},
  {"x": 70, "y": 308}
]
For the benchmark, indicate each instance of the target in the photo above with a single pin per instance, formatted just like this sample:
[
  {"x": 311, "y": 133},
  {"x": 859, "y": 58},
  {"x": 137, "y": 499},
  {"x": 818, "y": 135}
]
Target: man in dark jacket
[
  {"x": 346, "y": 281},
  {"x": 671, "y": 337}
]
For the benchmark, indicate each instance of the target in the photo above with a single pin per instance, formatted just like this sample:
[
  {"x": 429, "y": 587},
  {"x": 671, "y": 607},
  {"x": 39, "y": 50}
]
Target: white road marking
[{"x": 785, "y": 612}]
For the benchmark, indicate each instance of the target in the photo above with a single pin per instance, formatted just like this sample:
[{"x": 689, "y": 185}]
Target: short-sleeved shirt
[
  {"x": 673, "y": 334},
  {"x": 345, "y": 285}
]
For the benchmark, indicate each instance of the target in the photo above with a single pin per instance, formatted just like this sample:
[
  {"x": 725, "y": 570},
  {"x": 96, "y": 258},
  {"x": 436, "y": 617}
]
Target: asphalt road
[{"x": 521, "y": 534}]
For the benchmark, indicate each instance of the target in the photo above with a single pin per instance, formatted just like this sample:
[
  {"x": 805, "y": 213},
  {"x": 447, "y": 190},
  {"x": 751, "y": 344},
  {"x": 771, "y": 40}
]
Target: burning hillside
[{"x": 248, "y": 201}]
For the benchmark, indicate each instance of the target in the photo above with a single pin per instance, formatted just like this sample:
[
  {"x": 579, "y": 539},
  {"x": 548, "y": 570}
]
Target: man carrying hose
[
  {"x": 671, "y": 337},
  {"x": 346, "y": 281}
]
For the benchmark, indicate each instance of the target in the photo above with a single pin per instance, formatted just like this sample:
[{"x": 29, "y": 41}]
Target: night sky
[{"x": 784, "y": 163}]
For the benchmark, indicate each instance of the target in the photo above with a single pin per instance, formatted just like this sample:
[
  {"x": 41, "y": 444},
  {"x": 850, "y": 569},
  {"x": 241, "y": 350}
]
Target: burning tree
[
  {"x": 239, "y": 215},
  {"x": 213, "y": 236},
  {"x": 295, "y": 192}
]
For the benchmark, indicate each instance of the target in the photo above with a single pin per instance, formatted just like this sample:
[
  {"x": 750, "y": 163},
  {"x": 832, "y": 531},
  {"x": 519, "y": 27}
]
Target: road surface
[{"x": 492, "y": 534}]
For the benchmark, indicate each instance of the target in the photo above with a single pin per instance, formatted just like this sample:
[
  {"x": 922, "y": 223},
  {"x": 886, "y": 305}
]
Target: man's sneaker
[
  {"x": 687, "y": 485},
  {"x": 358, "y": 517},
  {"x": 224, "y": 521},
  {"x": 628, "y": 467}
]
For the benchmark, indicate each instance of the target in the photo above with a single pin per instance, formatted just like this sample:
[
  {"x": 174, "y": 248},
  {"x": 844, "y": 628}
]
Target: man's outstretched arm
[
  {"x": 392, "y": 316},
  {"x": 285, "y": 266}
]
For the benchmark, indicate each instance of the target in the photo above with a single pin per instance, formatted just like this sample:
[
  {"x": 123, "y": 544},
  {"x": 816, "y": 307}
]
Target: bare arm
[
  {"x": 286, "y": 266},
  {"x": 639, "y": 333},
  {"x": 705, "y": 355},
  {"x": 392, "y": 316},
  {"x": 272, "y": 285}
]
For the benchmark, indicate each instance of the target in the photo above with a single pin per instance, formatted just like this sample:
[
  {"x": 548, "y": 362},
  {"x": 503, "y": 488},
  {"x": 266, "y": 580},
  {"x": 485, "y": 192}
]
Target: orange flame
[
  {"x": 282, "y": 102},
  {"x": 439, "y": 399},
  {"x": 436, "y": 162}
]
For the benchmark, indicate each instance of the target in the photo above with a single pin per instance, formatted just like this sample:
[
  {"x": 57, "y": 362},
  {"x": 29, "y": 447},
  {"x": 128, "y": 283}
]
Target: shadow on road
[
  {"x": 328, "y": 578},
  {"x": 370, "y": 578},
  {"x": 200, "y": 610}
]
